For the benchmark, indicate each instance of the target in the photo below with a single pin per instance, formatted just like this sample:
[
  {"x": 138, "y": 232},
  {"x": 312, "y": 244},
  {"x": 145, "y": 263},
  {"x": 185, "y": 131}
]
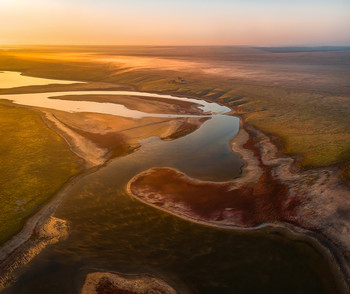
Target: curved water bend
[
  {"x": 43, "y": 100},
  {"x": 15, "y": 79}
]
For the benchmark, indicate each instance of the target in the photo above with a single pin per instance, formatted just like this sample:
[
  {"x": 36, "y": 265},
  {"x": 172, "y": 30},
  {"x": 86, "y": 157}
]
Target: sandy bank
[
  {"x": 87, "y": 150},
  {"x": 121, "y": 135}
]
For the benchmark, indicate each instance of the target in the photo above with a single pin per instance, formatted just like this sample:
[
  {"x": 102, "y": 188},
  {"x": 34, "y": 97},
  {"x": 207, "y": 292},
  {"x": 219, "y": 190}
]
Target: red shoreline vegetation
[{"x": 248, "y": 205}]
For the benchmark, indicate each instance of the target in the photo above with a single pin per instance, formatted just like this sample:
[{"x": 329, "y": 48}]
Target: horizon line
[{"x": 169, "y": 45}]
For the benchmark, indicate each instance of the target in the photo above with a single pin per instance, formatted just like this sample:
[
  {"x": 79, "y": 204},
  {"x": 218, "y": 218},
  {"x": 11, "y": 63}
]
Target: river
[{"x": 111, "y": 231}]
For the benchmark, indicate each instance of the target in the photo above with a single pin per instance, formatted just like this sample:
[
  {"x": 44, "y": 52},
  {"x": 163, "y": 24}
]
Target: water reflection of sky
[{"x": 13, "y": 79}]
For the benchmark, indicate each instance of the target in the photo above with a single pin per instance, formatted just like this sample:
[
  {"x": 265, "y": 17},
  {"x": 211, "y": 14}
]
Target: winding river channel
[{"x": 111, "y": 231}]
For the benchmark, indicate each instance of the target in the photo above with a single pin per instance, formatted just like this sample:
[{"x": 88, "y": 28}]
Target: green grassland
[
  {"x": 34, "y": 163},
  {"x": 310, "y": 123}
]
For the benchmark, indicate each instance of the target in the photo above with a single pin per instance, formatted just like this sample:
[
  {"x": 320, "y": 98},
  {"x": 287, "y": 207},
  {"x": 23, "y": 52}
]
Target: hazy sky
[{"x": 181, "y": 22}]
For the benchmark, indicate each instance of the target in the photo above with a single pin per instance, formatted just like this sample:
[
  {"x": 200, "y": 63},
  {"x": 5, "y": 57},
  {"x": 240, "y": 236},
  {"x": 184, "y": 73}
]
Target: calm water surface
[
  {"x": 11, "y": 79},
  {"x": 111, "y": 231}
]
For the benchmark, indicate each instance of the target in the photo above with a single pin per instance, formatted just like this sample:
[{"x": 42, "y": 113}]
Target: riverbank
[{"x": 322, "y": 195}]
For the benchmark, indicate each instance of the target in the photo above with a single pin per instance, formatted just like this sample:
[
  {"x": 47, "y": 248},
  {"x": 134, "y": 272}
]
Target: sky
[{"x": 181, "y": 22}]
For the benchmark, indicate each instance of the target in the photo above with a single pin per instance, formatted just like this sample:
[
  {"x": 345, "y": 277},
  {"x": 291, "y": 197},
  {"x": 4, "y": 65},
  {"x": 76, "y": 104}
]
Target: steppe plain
[{"x": 295, "y": 117}]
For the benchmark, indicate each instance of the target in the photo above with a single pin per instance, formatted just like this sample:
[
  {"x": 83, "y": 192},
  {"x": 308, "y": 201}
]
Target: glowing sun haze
[{"x": 181, "y": 22}]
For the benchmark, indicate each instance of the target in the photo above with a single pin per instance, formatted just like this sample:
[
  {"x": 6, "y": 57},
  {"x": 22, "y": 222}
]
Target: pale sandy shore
[{"x": 84, "y": 148}]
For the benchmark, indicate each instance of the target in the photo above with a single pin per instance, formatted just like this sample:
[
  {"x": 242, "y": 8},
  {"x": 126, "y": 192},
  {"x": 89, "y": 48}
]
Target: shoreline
[
  {"x": 324, "y": 182},
  {"x": 79, "y": 145}
]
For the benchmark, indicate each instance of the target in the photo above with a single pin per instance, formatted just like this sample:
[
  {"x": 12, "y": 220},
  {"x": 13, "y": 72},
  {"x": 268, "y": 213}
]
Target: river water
[{"x": 111, "y": 231}]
